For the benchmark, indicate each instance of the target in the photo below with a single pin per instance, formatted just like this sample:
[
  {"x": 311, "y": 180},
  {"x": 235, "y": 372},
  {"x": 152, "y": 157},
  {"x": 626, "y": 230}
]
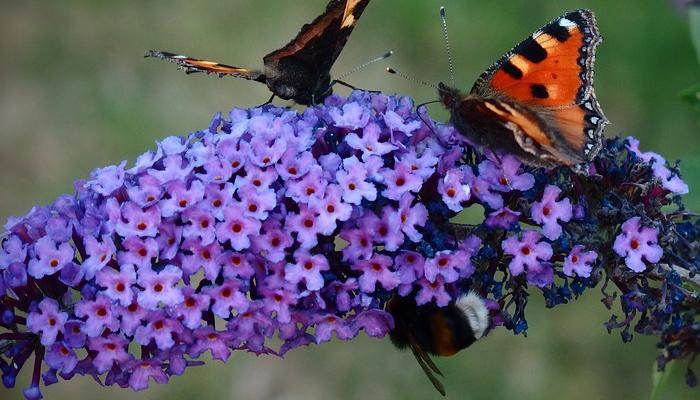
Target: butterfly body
[
  {"x": 299, "y": 71},
  {"x": 537, "y": 101}
]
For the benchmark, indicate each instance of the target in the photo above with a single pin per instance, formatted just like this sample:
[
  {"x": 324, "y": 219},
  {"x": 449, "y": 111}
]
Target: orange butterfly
[
  {"x": 537, "y": 101},
  {"x": 299, "y": 71}
]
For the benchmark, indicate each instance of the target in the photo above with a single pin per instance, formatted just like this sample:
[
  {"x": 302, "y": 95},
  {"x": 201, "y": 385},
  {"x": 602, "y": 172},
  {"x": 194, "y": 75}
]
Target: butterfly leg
[{"x": 268, "y": 101}]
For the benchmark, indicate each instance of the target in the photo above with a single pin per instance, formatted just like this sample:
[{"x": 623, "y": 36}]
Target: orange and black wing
[
  {"x": 191, "y": 65},
  {"x": 319, "y": 43},
  {"x": 301, "y": 69},
  {"x": 541, "y": 92}
]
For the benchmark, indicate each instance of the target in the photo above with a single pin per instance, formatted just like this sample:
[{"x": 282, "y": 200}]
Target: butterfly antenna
[
  {"x": 370, "y": 62},
  {"x": 447, "y": 44},
  {"x": 393, "y": 71}
]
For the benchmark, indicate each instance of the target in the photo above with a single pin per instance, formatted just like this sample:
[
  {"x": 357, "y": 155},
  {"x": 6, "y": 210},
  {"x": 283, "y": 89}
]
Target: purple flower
[
  {"x": 330, "y": 210},
  {"x": 503, "y": 218},
  {"x": 376, "y": 271},
  {"x": 237, "y": 228},
  {"x": 578, "y": 261},
  {"x": 352, "y": 116},
  {"x": 528, "y": 252},
  {"x": 637, "y": 241},
  {"x": 448, "y": 264},
  {"x": 304, "y": 224},
  {"x": 369, "y": 144},
  {"x": 353, "y": 181},
  {"x": 99, "y": 315},
  {"x": 308, "y": 269},
  {"x": 160, "y": 329},
  {"x": 100, "y": 253},
  {"x": 50, "y": 257},
  {"x": 227, "y": 297},
  {"x": 432, "y": 291},
  {"x": 159, "y": 287},
  {"x": 117, "y": 284},
  {"x": 400, "y": 180},
  {"x": 506, "y": 176},
  {"x": 61, "y": 358},
  {"x": 453, "y": 189},
  {"x": 548, "y": 211},
  {"x": 207, "y": 338},
  {"x": 670, "y": 181},
  {"x": 327, "y": 324},
  {"x": 136, "y": 221},
  {"x": 110, "y": 350},
  {"x": 190, "y": 310},
  {"x": 47, "y": 320},
  {"x": 142, "y": 370}
]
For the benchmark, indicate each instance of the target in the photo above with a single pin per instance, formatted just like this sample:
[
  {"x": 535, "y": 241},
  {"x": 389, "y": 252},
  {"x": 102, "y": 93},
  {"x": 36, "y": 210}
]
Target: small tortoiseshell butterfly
[
  {"x": 299, "y": 71},
  {"x": 537, "y": 101}
]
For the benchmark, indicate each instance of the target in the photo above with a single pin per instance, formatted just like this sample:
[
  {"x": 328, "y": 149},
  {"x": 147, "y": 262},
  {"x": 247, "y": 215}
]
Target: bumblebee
[{"x": 440, "y": 331}]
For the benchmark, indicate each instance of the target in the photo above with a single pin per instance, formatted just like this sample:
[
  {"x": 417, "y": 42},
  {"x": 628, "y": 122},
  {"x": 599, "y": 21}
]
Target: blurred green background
[{"x": 76, "y": 94}]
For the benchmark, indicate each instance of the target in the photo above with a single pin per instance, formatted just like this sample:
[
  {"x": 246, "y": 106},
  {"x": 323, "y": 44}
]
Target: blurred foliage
[{"x": 75, "y": 94}]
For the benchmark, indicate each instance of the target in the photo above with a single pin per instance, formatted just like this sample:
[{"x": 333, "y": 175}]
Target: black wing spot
[
  {"x": 560, "y": 33},
  {"x": 512, "y": 70},
  {"x": 531, "y": 50},
  {"x": 539, "y": 91}
]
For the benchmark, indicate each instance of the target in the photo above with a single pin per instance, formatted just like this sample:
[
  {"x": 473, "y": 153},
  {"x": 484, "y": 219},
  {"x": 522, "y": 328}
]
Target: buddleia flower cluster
[{"x": 278, "y": 224}]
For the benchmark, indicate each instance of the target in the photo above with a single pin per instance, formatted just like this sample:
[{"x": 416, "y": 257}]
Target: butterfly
[
  {"x": 299, "y": 71},
  {"x": 537, "y": 101}
]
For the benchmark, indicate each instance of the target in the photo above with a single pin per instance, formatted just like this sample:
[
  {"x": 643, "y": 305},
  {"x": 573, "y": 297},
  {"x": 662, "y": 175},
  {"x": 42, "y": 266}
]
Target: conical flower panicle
[{"x": 274, "y": 223}]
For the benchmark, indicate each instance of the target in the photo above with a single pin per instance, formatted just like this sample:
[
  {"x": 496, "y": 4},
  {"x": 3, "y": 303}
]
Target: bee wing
[{"x": 426, "y": 364}]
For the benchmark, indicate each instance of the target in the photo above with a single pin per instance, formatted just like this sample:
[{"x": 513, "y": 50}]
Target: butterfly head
[{"x": 449, "y": 96}]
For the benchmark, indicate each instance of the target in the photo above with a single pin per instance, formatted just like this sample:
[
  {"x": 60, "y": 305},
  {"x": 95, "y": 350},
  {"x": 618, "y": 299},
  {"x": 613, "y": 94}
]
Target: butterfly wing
[
  {"x": 552, "y": 72},
  {"x": 191, "y": 65},
  {"x": 301, "y": 69}
]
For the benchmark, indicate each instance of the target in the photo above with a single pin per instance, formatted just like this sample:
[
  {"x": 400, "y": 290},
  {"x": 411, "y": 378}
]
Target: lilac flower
[
  {"x": 99, "y": 315},
  {"x": 376, "y": 271},
  {"x": 160, "y": 329},
  {"x": 110, "y": 350},
  {"x": 308, "y": 269},
  {"x": 47, "y": 320},
  {"x": 118, "y": 284},
  {"x": 670, "y": 181},
  {"x": 506, "y": 176},
  {"x": 453, "y": 190},
  {"x": 447, "y": 264},
  {"x": 51, "y": 257},
  {"x": 503, "y": 218},
  {"x": 353, "y": 181},
  {"x": 207, "y": 338},
  {"x": 548, "y": 211},
  {"x": 399, "y": 181},
  {"x": 271, "y": 223},
  {"x": 432, "y": 291},
  {"x": 637, "y": 241},
  {"x": 369, "y": 144},
  {"x": 577, "y": 261},
  {"x": 528, "y": 252},
  {"x": 237, "y": 228},
  {"x": 100, "y": 253},
  {"x": 159, "y": 287},
  {"x": 61, "y": 358}
]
